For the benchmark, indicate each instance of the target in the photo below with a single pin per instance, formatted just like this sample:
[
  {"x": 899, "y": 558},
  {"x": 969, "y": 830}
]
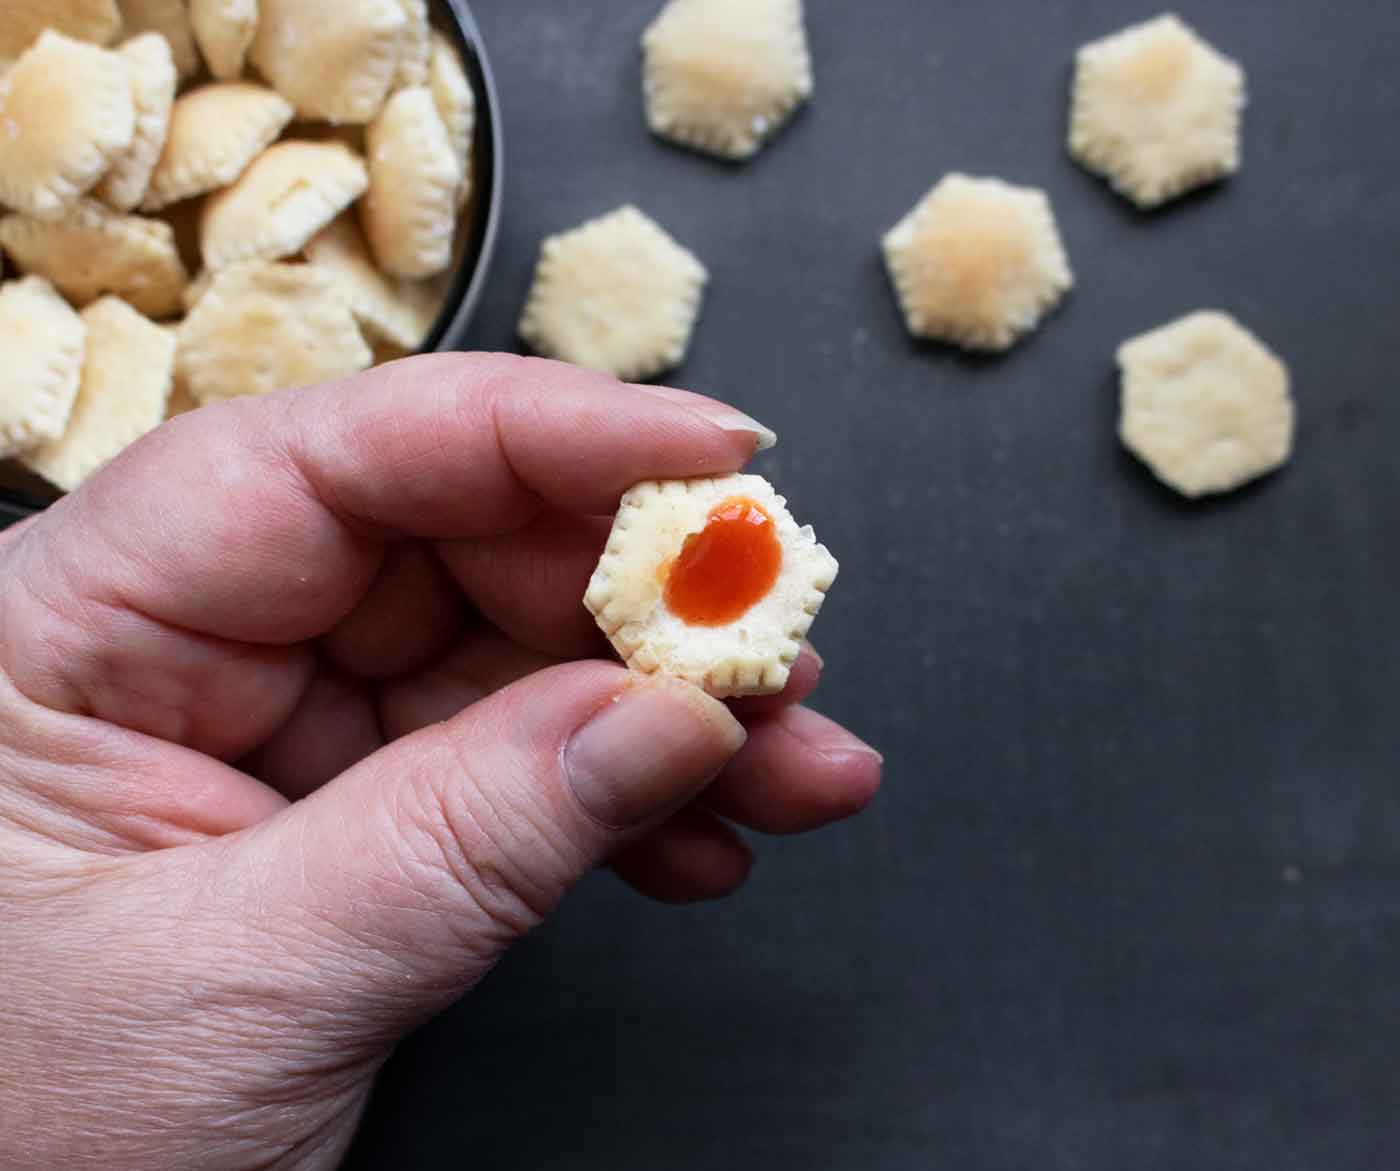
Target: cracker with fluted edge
[
  {"x": 336, "y": 66},
  {"x": 262, "y": 327},
  {"x": 153, "y": 82},
  {"x": 42, "y": 341},
  {"x": 398, "y": 313},
  {"x": 616, "y": 294},
  {"x": 96, "y": 251},
  {"x": 169, "y": 18},
  {"x": 215, "y": 132},
  {"x": 126, "y": 383},
  {"x": 750, "y": 655},
  {"x": 456, "y": 106},
  {"x": 410, "y": 213},
  {"x": 59, "y": 137},
  {"x": 224, "y": 31},
  {"x": 287, "y": 195},
  {"x": 22, "y": 21},
  {"x": 977, "y": 262},
  {"x": 417, "y": 39}
]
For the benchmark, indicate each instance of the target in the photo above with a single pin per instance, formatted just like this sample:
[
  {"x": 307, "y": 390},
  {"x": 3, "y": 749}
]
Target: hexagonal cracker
[
  {"x": 723, "y": 76},
  {"x": 977, "y": 262},
  {"x": 1156, "y": 111},
  {"x": 616, "y": 294},
  {"x": 1205, "y": 404}
]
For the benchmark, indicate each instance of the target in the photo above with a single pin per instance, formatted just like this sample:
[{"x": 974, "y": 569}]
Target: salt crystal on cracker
[
  {"x": 153, "y": 81},
  {"x": 456, "y": 105},
  {"x": 978, "y": 262},
  {"x": 126, "y": 384},
  {"x": 264, "y": 327},
  {"x": 724, "y": 75},
  {"x": 410, "y": 214},
  {"x": 22, "y": 21},
  {"x": 42, "y": 341},
  {"x": 1205, "y": 404},
  {"x": 747, "y": 650},
  {"x": 224, "y": 30},
  {"x": 170, "y": 18},
  {"x": 57, "y": 138},
  {"x": 617, "y": 294},
  {"x": 336, "y": 64},
  {"x": 397, "y": 313},
  {"x": 215, "y": 132},
  {"x": 287, "y": 195},
  {"x": 1156, "y": 111}
]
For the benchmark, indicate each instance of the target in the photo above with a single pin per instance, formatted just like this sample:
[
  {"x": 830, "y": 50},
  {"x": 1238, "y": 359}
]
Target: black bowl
[{"x": 23, "y": 494}]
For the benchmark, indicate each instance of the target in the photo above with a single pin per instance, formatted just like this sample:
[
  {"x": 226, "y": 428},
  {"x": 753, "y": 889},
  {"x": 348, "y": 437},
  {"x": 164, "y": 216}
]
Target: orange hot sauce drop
[{"x": 727, "y": 567}]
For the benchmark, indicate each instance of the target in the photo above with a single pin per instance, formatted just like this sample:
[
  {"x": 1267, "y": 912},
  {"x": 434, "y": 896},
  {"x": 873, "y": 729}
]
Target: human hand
[{"x": 293, "y": 744}]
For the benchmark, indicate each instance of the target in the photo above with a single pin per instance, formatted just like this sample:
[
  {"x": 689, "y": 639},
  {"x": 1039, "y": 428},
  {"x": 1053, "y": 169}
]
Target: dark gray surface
[{"x": 1131, "y": 898}]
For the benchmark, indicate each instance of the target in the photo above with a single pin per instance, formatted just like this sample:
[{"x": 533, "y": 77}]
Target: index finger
[{"x": 263, "y": 520}]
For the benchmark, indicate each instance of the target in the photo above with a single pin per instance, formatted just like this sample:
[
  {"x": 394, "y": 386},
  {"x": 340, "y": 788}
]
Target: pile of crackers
[{"x": 201, "y": 199}]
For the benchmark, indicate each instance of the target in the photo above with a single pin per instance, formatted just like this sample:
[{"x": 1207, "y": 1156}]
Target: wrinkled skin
[{"x": 302, "y": 724}]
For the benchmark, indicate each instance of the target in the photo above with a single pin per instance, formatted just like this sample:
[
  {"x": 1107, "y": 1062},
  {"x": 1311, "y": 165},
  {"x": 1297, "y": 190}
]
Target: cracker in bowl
[
  {"x": 710, "y": 580},
  {"x": 169, "y": 18},
  {"x": 42, "y": 340},
  {"x": 153, "y": 82},
  {"x": 22, "y": 22},
  {"x": 126, "y": 382},
  {"x": 224, "y": 30},
  {"x": 61, "y": 138},
  {"x": 456, "y": 105}
]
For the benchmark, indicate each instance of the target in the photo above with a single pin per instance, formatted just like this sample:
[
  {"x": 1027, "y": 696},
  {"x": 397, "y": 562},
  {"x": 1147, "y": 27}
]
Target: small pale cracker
[
  {"x": 287, "y": 195},
  {"x": 1205, "y": 404},
  {"x": 978, "y": 262},
  {"x": 397, "y": 313},
  {"x": 413, "y": 55},
  {"x": 723, "y": 76},
  {"x": 333, "y": 65},
  {"x": 456, "y": 105},
  {"x": 170, "y": 18},
  {"x": 215, "y": 132},
  {"x": 97, "y": 251},
  {"x": 59, "y": 137},
  {"x": 21, "y": 22},
  {"x": 617, "y": 294},
  {"x": 153, "y": 82},
  {"x": 410, "y": 215},
  {"x": 127, "y": 378},
  {"x": 750, "y": 654},
  {"x": 1156, "y": 111},
  {"x": 264, "y": 327},
  {"x": 42, "y": 341},
  {"x": 224, "y": 30}
]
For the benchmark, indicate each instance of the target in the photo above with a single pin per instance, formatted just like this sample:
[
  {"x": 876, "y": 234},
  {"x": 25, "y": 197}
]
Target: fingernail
[
  {"x": 717, "y": 414},
  {"x": 825, "y": 736},
  {"x": 658, "y": 743}
]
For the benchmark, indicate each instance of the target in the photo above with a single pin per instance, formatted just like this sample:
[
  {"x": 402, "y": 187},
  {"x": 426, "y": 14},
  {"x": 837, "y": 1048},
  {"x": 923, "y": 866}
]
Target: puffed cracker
[
  {"x": 263, "y": 327},
  {"x": 224, "y": 30},
  {"x": 1205, "y": 404},
  {"x": 153, "y": 82},
  {"x": 170, "y": 18},
  {"x": 410, "y": 214},
  {"x": 97, "y": 251},
  {"x": 723, "y": 76},
  {"x": 333, "y": 65},
  {"x": 287, "y": 195},
  {"x": 126, "y": 384},
  {"x": 215, "y": 132},
  {"x": 456, "y": 105},
  {"x": 617, "y": 294},
  {"x": 413, "y": 53},
  {"x": 21, "y": 22},
  {"x": 751, "y": 655},
  {"x": 41, "y": 340},
  {"x": 58, "y": 138},
  {"x": 1156, "y": 111},
  {"x": 977, "y": 263},
  {"x": 397, "y": 313}
]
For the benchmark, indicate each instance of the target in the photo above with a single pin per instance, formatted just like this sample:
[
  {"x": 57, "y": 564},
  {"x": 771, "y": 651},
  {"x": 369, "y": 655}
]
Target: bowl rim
[{"x": 469, "y": 283}]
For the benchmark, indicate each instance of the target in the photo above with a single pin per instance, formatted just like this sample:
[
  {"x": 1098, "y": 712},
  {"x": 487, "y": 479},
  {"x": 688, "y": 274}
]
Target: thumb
[{"x": 398, "y": 885}]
